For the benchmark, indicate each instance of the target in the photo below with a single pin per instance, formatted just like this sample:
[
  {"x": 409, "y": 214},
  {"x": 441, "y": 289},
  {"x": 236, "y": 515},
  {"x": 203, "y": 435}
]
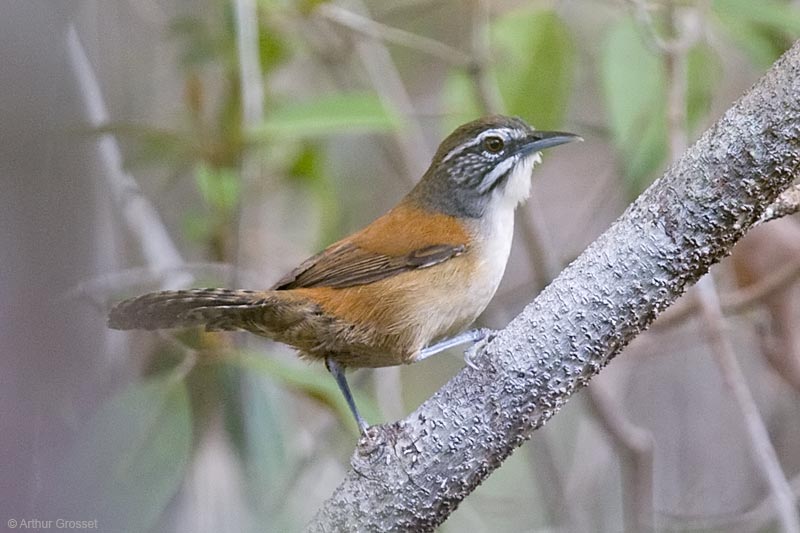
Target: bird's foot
[{"x": 481, "y": 337}]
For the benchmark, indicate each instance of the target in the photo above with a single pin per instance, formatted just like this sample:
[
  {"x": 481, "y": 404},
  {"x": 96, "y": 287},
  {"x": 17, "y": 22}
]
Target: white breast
[
  {"x": 451, "y": 306},
  {"x": 497, "y": 228}
]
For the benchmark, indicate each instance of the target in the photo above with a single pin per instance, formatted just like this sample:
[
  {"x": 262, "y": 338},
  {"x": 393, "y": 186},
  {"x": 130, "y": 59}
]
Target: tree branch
[{"x": 412, "y": 474}]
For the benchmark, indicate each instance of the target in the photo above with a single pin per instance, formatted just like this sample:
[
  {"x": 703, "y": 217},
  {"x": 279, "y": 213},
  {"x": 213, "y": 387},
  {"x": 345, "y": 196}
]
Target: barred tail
[{"x": 213, "y": 308}]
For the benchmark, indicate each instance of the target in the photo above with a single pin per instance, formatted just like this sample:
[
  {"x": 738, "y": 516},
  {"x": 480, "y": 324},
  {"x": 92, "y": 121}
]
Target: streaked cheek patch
[{"x": 493, "y": 177}]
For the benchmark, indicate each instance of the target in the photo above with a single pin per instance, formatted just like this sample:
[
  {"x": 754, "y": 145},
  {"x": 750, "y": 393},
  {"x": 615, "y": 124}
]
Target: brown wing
[
  {"x": 346, "y": 264},
  {"x": 406, "y": 238}
]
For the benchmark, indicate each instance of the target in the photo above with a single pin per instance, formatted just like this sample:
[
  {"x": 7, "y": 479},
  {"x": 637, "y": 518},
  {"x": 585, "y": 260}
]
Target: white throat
[
  {"x": 498, "y": 220},
  {"x": 518, "y": 184}
]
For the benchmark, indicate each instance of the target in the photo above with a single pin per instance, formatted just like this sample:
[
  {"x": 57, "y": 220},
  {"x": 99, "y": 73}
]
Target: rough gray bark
[{"x": 412, "y": 474}]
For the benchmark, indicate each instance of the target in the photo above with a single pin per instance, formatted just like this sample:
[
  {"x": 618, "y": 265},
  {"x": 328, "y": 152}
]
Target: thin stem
[
  {"x": 252, "y": 85},
  {"x": 676, "y": 102},
  {"x": 734, "y": 378},
  {"x": 637, "y": 443},
  {"x": 734, "y": 302},
  {"x": 252, "y": 95},
  {"x": 389, "y": 85},
  {"x": 546, "y": 265},
  {"x": 376, "y": 30},
  {"x": 140, "y": 217},
  {"x": 489, "y": 97},
  {"x": 758, "y": 518}
]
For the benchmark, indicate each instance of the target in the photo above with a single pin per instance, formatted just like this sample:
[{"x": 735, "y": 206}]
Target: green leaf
[
  {"x": 219, "y": 187},
  {"x": 307, "y": 167},
  {"x": 272, "y": 49},
  {"x": 313, "y": 382},
  {"x": 634, "y": 90},
  {"x": 326, "y": 115},
  {"x": 535, "y": 61},
  {"x": 131, "y": 457},
  {"x": 764, "y": 29}
]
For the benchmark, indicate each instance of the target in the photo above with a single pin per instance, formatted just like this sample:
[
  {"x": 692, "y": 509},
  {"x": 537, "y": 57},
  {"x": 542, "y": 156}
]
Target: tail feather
[{"x": 213, "y": 308}]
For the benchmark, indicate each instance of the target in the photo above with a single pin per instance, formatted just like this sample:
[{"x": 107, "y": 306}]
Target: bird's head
[{"x": 484, "y": 163}]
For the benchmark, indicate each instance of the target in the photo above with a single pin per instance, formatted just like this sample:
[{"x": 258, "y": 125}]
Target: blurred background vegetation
[{"x": 165, "y": 143}]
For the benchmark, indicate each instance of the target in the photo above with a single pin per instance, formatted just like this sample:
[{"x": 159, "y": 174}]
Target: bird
[{"x": 403, "y": 288}]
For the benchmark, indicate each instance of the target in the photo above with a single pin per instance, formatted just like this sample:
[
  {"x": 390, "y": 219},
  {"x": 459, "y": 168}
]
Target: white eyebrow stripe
[
  {"x": 500, "y": 132},
  {"x": 497, "y": 172},
  {"x": 460, "y": 148}
]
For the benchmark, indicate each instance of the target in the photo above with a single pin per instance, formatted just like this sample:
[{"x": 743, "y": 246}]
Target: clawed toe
[{"x": 482, "y": 337}]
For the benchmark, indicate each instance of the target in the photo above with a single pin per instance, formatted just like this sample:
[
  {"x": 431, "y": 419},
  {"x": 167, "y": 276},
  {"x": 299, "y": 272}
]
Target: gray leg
[
  {"x": 338, "y": 374},
  {"x": 473, "y": 335}
]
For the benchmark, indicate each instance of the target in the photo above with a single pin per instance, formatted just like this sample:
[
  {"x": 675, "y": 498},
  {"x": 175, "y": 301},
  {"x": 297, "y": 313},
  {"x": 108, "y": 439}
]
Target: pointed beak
[{"x": 539, "y": 140}]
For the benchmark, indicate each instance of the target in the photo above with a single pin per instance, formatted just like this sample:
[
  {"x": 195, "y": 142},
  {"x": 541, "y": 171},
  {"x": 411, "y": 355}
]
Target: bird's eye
[{"x": 493, "y": 144}]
